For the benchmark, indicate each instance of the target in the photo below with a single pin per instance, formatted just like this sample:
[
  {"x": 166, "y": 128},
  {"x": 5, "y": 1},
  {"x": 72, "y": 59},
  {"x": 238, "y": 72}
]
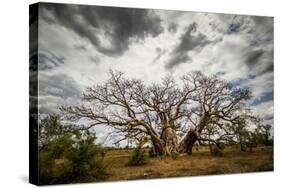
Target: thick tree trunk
[
  {"x": 192, "y": 136},
  {"x": 158, "y": 148},
  {"x": 166, "y": 144},
  {"x": 188, "y": 142},
  {"x": 169, "y": 138}
]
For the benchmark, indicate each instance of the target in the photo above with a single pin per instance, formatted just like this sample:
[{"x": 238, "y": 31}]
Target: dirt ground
[{"x": 200, "y": 163}]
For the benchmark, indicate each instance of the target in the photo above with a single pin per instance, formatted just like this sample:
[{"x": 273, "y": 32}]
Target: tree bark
[
  {"x": 169, "y": 138},
  {"x": 188, "y": 142},
  {"x": 166, "y": 144},
  {"x": 192, "y": 135},
  {"x": 158, "y": 148}
]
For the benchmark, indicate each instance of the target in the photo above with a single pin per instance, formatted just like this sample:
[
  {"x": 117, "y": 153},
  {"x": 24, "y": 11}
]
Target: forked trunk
[
  {"x": 191, "y": 137},
  {"x": 188, "y": 142},
  {"x": 166, "y": 144},
  {"x": 169, "y": 138},
  {"x": 158, "y": 149}
]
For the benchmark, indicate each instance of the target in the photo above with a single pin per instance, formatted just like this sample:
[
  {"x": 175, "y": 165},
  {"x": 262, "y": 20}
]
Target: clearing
[{"x": 201, "y": 162}]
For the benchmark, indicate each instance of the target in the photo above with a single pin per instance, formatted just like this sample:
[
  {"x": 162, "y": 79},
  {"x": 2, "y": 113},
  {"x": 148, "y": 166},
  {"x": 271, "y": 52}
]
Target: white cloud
[
  {"x": 226, "y": 53},
  {"x": 265, "y": 111}
]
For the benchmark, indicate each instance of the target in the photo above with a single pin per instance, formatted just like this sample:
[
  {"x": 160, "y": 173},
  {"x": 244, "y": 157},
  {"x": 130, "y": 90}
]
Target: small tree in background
[
  {"x": 242, "y": 134},
  {"x": 263, "y": 134}
]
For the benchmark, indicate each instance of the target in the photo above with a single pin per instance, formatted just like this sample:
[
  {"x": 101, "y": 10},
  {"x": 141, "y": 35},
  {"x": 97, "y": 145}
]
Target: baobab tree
[
  {"x": 170, "y": 115},
  {"x": 216, "y": 103}
]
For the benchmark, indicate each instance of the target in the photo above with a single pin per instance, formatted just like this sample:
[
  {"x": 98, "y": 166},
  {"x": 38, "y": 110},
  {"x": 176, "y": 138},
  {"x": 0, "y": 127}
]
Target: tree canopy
[{"x": 172, "y": 115}]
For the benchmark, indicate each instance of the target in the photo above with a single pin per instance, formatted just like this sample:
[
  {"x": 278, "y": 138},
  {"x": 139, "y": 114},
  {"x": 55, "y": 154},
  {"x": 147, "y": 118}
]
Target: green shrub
[
  {"x": 69, "y": 157},
  {"x": 138, "y": 158},
  {"x": 175, "y": 155},
  {"x": 152, "y": 153},
  {"x": 66, "y": 161},
  {"x": 216, "y": 151}
]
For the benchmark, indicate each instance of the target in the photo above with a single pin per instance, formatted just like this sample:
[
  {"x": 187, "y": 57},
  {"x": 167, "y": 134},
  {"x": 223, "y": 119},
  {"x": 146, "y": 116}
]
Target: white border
[{"x": 14, "y": 91}]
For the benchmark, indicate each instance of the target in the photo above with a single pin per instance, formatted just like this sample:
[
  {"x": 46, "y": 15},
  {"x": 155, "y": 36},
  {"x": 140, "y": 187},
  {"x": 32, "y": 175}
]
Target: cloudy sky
[{"x": 79, "y": 44}]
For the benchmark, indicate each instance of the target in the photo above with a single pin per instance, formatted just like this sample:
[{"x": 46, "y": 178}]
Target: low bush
[
  {"x": 138, "y": 158},
  {"x": 175, "y": 155},
  {"x": 70, "y": 157},
  {"x": 151, "y": 153},
  {"x": 216, "y": 151}
]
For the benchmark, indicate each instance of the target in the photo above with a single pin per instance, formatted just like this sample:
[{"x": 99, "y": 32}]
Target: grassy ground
[{"x": 200, "y": 163}]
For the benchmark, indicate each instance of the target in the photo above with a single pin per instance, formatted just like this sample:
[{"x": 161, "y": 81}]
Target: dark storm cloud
[
  {"x": 172, "y": 27},
  {"x": 59, "y": 85},
  {"x": 260, "y": 26},
  {"x": 259, "y": 60},
  {"x": 177, "y": 59},
  {"x": 159, "y": 53},
  {"x": 240, "y": 24},
  {"x": 257, "y": 35},
  {"x": 44, "y": 61},
  {"x": 190, "y": 40},
  {"x": 48, "y": 60},
  {"x": 265, "y": 26},
  {"x": 257, "y": 32},
  {"x": 234, "y": 28},
  {"x": 118, "y": 25},
  {"x": 264, "y": 34},
  {"x": 268, "y": 68},
  {"x": 54, "y": 90},
  {"x": 253, "y": 57},
  {"x": 268, "y": 96}
]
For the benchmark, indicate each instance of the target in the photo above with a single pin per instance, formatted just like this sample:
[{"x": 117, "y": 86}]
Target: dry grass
[{"x": 200, "y": 163}]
